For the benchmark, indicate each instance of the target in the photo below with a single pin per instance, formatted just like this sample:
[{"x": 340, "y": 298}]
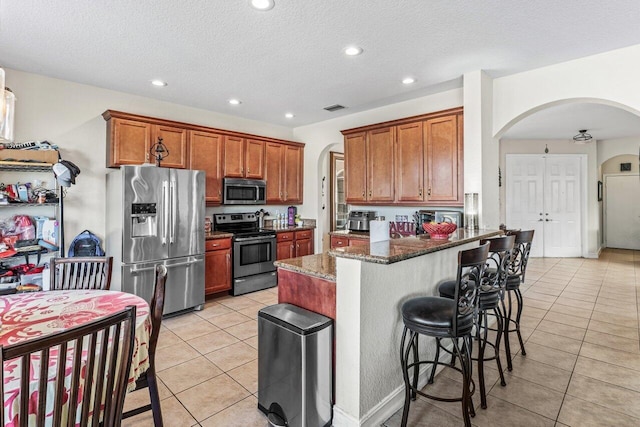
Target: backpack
[{"x": 85, "y": 244}]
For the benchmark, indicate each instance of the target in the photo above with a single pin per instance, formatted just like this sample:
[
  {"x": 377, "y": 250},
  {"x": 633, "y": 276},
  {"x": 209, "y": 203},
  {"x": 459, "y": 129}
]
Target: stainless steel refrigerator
[{"x": 156, "y": 216}]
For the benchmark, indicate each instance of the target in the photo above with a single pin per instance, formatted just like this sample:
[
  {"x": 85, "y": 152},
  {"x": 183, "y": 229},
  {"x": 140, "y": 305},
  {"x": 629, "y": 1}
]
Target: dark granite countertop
[
  {"x": 217, "y": 235},
  {"x": 318, "y": 265},
  {"x": 351, "y": 234},
  {"x": 395, "y": 250}
]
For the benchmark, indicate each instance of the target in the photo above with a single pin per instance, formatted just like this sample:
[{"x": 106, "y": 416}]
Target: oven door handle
[{"x": 255, "y": 239}]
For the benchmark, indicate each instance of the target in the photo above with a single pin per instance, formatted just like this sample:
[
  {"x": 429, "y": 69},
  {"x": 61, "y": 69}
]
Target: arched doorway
[{"x": 547, "y": 131}]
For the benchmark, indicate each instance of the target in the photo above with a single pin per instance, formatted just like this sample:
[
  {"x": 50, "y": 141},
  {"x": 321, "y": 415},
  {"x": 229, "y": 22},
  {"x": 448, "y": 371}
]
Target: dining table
[{"x": 31, "y": 315}]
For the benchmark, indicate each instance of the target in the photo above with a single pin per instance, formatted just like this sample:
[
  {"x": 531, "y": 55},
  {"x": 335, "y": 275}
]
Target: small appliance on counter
[
  {"x": 292, "y": 211},
  {"x": 450, "y": 216},
  {"x": 359, "y": 220},
  {"x": 421, "y": 217}
]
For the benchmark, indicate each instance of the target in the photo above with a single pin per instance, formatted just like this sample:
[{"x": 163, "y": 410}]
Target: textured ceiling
[{"x": 290, "y": 59}]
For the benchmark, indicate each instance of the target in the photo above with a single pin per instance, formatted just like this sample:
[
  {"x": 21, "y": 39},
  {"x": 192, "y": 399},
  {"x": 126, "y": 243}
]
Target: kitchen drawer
[
  {"x": 284, "y": 237},
  {"x": 339, "y": 242},
  {"x": 303, "y": 234},
  {"x": 217, "y": 244}
]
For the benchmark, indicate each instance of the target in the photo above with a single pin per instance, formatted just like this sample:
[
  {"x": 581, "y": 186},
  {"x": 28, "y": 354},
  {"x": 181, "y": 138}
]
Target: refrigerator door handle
[
  {"x": 165, "y": 213},
  {"x": 140, "y": 270},
  {"x": 172, "y": 223},
  {"x": 180, "y": 264}
]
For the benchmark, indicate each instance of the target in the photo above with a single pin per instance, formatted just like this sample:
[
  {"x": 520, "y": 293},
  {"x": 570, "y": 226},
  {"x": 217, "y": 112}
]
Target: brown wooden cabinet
[
  {"x": 293, "y": 244},
  {"x": 344, "y": 241},
  {"x": 369, "y": 166},
  {"x": 409, "y": 163},
  {"x": 220, "y": 153},
  {"x": 130, "y": 142},
  {"x": 206, "y": 154},
  {"x": 243, "y": 158},
  {"x": 283, "y": 173},
  {"x": 442, "y": 138},
  {"x": 415, "y": 161},
  {"x": 217, "y": 264},
  {"x": 177, "y": 142}
]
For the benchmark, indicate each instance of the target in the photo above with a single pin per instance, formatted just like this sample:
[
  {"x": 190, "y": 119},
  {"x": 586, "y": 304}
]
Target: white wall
[
  {"x": 610, "y": 148},
  {"x": 70, "y": 115},
  {"x": 321, "y": 135}
]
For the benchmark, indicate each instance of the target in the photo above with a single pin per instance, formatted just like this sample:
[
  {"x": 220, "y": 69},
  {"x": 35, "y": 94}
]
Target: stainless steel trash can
[{"x": 295, "y": 366}]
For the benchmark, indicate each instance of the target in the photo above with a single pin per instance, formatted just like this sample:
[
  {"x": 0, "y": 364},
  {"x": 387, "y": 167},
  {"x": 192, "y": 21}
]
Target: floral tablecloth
[{"x": 30, "y": 315}]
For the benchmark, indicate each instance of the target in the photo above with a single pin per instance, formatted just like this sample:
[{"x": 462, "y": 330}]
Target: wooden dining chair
[
  {"x": 148, "y": 378},
  {"x": 84, "y": 387},
  {"x": 80, "y": 273}
]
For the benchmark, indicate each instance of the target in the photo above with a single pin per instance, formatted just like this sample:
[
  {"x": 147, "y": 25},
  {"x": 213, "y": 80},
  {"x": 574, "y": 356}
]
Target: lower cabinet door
[
  {"x": 284, "y": 250},
  {"x": 217, "y": 271},
  {"x": 304, "y": 247}
]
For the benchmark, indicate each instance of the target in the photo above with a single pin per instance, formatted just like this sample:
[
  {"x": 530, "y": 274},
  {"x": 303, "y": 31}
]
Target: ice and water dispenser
[{"x": 144, "y": 221}]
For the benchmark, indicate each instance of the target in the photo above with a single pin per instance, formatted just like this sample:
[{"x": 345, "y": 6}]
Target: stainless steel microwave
[{"x": 238, "y": 191}]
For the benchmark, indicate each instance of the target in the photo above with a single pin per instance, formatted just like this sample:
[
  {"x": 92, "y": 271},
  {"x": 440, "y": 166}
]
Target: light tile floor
[{"x": 582, "y": 366}]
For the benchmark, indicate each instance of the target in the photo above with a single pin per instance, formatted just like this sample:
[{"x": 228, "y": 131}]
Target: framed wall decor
[{"x": 599, "y": 191}]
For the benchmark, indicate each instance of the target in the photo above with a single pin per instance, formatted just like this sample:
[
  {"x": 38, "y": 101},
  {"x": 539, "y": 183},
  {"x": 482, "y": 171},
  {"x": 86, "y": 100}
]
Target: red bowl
[{"x": 440, "y": 230}]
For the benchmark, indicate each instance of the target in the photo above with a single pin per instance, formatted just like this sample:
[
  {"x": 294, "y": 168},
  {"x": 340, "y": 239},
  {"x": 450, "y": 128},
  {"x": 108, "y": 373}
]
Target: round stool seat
[{"x": 433, "y": 316}]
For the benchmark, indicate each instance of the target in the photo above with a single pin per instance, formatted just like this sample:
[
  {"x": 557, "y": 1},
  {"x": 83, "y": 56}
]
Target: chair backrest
[
  {"x": 498, "y": 263},
  {"x": 471, "y": 266},
  {"x": 156, "y": 307},
  {"x": 79, "y": 374},
  {"x": 80, "y": 273},
  {"x": 520, "y": 256}
]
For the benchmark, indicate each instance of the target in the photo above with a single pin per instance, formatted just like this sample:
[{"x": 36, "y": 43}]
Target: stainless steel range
[{"x": 254, "y": 251}]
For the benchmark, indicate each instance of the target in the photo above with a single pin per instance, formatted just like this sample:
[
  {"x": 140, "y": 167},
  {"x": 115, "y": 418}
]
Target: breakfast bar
[{"x": 372, "y": 282}]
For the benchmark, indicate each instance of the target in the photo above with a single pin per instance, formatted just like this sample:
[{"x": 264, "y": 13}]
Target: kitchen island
[{"x": 372, "y": 282}]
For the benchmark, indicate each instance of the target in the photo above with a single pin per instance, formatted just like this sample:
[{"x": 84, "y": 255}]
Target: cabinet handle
[
  {"x": 428, "y": 191},
  {"x": 369, "y": 193},
  {"x": 241, "y": 169},
  {"x": 146, "y": 156},
  {"x": 220, "y": 193},
  {"x": 420, "y": 192},
  {"x": 228, "y": 260},
  {"x": 362, "y": 193},
  {"x": 248, "y": 171},
  {"x": 215, "y": 245}
]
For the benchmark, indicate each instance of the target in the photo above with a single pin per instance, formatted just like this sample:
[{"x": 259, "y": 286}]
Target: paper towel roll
[{"x": 378, "y": 231}]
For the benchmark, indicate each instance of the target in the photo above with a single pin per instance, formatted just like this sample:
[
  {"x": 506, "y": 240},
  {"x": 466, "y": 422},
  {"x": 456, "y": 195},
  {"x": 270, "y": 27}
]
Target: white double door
[{"x": 544, "y": 193}]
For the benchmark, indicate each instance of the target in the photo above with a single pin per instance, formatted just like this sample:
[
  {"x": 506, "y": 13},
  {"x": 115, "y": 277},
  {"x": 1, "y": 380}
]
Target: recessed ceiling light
[
  {"x": 262, "y": 4},
  {"x": 289, "y": 115},
  {"x": 353, "y": 50},
  {"x": 158, "y": 83},
  {"x": 408, "y": 80},
  {"x": 234, "y": 102}
]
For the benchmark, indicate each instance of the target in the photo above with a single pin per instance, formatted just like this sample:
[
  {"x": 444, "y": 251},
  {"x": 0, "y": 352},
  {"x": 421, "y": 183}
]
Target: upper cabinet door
[
  {"x": 130, "y": 142},
  {"x": 273, "y": 172},
  {"x": 176, "y": 141},
  {"x": 205, "y": 153},
  {"x": 355, "y": 167},
  {"x": 292, "y": 174},
  {"x": 381, "y": 186},
  {"x": 254, "y": 159},
  {"x": 443, "y": 150},
  {"x": 233, "y": 157},
  {"x": 409, "y": 163}
]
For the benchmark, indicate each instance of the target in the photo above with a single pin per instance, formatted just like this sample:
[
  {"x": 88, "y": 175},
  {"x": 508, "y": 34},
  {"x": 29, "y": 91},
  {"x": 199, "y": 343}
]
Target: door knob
[{"x": 548, "y": 220}]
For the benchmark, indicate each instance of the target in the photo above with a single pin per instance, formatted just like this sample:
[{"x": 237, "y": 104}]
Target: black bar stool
[
  {"x": 491, "y": 294},
  {"x": 517, "y": 270},
  {"x": 444, "y": 318}
]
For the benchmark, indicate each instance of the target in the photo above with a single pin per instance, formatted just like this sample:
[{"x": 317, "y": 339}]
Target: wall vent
[{"x": 334, "y": 107}]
